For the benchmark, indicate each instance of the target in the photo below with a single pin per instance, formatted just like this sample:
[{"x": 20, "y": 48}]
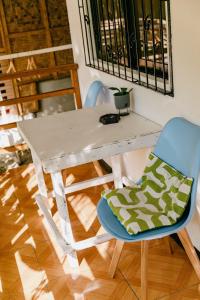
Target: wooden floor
[{"x": 33, "y": 267}]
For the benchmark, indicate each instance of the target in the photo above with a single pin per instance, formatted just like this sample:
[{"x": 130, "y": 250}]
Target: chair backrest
[
  {"x": 93, "y": 93},
  {"x": 179, "y": 146}
]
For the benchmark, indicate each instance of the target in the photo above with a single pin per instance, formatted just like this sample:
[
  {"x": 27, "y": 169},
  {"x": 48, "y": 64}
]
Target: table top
[{"x": 75, "y": 137}]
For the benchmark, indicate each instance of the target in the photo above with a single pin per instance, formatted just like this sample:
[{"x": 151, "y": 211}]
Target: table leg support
[
  {"x": 64, "y": 216},
  {"x": 40, "y": 180},
  {"x": 117, "y": 174}
]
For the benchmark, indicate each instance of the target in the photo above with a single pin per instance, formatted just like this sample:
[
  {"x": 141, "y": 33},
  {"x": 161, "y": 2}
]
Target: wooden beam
[
  {"x": 35, "y": 52},
  {"x": 37, "y": 97},
  {"x": 30, "y": 32},
  {"x": 8, "y": 126},
  {"x": 9, "y": 50},
  {"x": 3, "y": 49},
  {"x": 13, "y": 148},
  {"x": 44, "y": 16},
  {"x": 75, "y": 85},
  {"x": 5, "y": 29},
  {"x": 68, "y": 67},
  {"x": 25, "y": 33}
]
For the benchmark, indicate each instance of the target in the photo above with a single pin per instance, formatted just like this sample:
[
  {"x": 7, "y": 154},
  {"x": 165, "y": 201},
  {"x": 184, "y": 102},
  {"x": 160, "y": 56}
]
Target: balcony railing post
[{"x": 75, "y": 85}]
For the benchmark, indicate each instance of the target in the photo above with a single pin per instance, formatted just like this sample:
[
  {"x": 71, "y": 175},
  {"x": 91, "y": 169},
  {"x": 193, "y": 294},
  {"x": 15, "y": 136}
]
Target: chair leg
[
  {"x": 189, "y": 249},
  {"x": 115, "y": 258},
  {"x": 144, "y": 269},
  {"x": 99, "y": 171}
]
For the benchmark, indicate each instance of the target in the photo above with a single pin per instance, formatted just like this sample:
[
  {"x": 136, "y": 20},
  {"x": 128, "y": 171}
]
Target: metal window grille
[{"x": 129, "y": 39}]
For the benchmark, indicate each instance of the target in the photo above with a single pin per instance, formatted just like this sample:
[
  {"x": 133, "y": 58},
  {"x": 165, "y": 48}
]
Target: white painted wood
[
  {"x": 39, "y": 175},
  {"x": 76, "y": 137},
  {"x": 93, "y": 241},
  {"x": 84, "y": 244},
  {"x": 64, "y": 216},
  {"x": 40, "y": 180},
  {"x": 127, "y": 182},
  {"x": 117, "y": 172},
  {"x": 62, "y": 243},
  {"x": 85, "y": 184},
  {"x": 62, "y": 207},
  {"x": 35, "y": 52}
]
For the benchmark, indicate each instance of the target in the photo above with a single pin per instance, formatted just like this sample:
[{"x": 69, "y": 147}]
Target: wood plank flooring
[{"x": 33, "y": 267}]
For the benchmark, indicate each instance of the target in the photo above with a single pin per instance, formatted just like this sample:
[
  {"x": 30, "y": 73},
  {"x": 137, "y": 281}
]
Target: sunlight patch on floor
[
  {"x": 8, "y": 194},
  {"x": 1, "y": 287},
  {"x": 84, "y": 209},
  {"x": 70, "y": 179},
  {"x": 30, "y": 273},
  {"x": 21, "y": 217},
  {"x": 13, "y": 207},
  {"x": 19, "y": 234},
  {"x": 85, "y": 266},
  {"x": 29, "y": 170},
  {"x": 31, "y": 183},
  {"x": 4, "y": 182}
]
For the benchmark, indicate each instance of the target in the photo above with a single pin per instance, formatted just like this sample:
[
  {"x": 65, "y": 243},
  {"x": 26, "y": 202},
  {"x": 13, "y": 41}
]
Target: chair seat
[{"x": 114, "y": 227}]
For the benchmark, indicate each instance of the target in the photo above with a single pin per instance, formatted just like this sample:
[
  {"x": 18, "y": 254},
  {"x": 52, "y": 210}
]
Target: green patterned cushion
[{"x": 159, "y": 200}]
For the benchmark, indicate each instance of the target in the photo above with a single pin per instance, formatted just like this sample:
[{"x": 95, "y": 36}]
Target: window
[{"x": 130, "y": 39}]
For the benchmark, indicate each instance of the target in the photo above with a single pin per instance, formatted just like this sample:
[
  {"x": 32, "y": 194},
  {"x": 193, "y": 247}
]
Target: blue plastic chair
[
  {"x": 90, "y": 101},
  {"x": 92, "y": 94},
  {"x": 179, "y": 146}
]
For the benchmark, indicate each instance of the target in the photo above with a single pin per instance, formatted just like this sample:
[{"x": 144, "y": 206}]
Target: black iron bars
[{"x": 129, "y": 39}]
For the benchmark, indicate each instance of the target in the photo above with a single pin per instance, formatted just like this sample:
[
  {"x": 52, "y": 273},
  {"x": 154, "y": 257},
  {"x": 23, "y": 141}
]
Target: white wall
[{"x": 186, "y": 65}]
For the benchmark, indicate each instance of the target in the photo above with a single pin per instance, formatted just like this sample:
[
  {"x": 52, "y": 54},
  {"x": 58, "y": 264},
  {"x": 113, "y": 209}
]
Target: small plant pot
[{"x": 122, "y": 102}]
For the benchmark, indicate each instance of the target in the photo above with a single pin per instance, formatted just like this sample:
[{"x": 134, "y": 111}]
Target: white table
[{"x": 73, "y": 138}]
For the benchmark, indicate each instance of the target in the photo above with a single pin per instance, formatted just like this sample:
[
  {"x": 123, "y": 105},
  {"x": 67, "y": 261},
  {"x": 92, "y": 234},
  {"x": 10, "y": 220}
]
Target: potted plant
[{"x": 122, "y": 99}]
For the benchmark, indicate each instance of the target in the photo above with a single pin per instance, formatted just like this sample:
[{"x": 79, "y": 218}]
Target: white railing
[{"x": 35, "y": 52}]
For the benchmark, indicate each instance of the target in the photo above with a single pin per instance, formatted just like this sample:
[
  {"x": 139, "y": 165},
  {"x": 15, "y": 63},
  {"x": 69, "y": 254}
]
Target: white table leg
[
  {"x": 117, "y": 171},
  {"x": 66, "y": 228},
  {"x": 117, "y": 174},
  {"x": 40, "y": 180}
]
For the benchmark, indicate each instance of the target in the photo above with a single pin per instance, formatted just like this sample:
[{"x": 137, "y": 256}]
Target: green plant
[{"x": 120, "y": 91}]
